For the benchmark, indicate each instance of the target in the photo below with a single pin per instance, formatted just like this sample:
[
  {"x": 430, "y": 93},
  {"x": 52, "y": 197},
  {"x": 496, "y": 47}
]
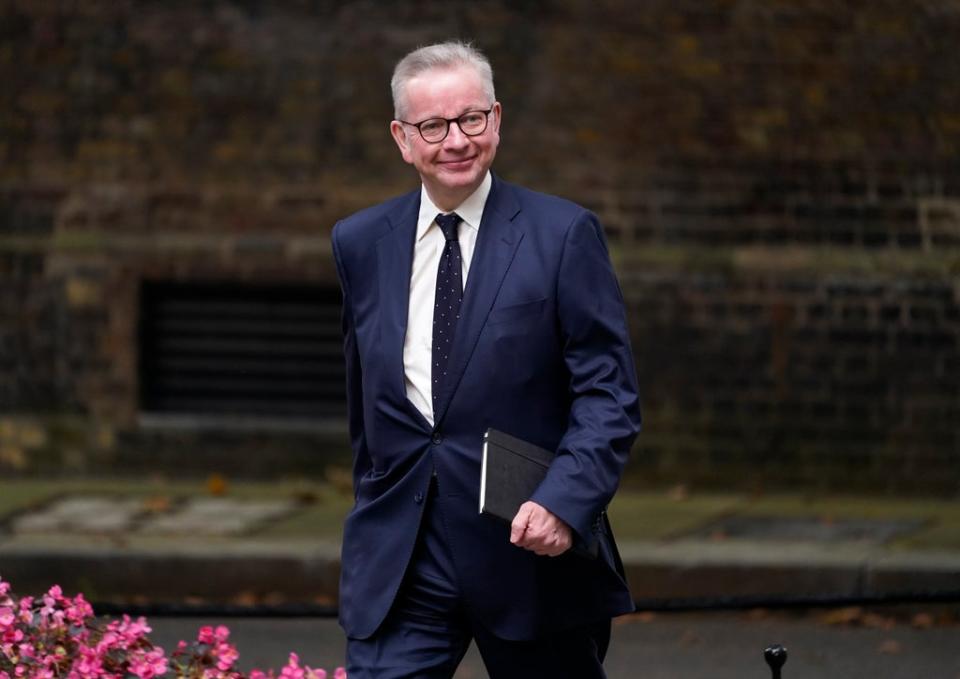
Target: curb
[{"x": 673, "y": 574}]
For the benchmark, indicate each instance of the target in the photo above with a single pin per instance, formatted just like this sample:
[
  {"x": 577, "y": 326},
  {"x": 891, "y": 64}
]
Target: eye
[
  {"x": 432, "y": 126},
  {"x": 471, "y": 119}
]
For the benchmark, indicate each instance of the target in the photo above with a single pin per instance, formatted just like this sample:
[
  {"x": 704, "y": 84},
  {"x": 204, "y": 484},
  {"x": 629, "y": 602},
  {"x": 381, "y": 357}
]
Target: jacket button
[
  {"x": 437, "y": 438},
  {"x": 418, "y": 498}
]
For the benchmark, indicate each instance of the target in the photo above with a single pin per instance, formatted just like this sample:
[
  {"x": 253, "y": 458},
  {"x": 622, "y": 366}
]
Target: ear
[
  {"x": 494, "y": 123},
  {"x": 403, "y": 142}
]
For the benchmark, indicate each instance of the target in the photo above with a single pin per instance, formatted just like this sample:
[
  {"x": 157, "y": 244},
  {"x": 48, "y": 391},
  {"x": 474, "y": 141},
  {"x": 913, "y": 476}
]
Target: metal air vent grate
[{"x": 241, "y": 349}]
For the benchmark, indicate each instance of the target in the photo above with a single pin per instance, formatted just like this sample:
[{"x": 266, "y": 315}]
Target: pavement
[
  {"x": 875, "y": 642},
  {"x": 142, "y": 542}
]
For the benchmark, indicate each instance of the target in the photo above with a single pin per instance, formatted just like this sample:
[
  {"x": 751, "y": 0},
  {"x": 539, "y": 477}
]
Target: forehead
[{"x": 445, "y": 92}]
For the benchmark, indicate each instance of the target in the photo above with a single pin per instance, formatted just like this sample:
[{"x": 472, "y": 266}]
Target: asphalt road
[{"x": 822, "y": 644}]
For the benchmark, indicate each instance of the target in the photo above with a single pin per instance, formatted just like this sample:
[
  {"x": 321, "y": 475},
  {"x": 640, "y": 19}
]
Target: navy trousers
[{"x": 428, "y": 630}]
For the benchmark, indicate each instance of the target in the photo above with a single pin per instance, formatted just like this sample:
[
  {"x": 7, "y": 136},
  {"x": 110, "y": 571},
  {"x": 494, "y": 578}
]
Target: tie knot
[{"x": 448, "y": 224}]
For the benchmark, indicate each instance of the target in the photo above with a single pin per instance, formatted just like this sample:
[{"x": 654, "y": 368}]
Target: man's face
[{"x": 451, "y": 169}]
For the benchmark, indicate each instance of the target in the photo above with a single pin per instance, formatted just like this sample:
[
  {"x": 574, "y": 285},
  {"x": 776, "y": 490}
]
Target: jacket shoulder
[
  {"x": 369, "y": 224},
  {"x": 529, "y": 197},
  {"x": 545, "y": 210}
]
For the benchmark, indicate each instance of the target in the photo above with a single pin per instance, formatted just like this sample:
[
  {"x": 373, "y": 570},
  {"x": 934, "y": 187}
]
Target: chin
[{"x": 462, "y": 178}]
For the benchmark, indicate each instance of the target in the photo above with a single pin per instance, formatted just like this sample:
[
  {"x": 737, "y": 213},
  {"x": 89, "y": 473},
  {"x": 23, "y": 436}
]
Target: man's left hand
[{"x": 538, "y": 529}]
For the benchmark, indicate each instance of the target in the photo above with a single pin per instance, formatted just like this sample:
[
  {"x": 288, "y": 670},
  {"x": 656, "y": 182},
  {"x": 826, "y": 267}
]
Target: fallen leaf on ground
[
  {"x": 216, "y": 484},
  {"x": 641, "y": 617},
  {"x": 306, "y": 497},
  {"x": 877, "y": 621},
  {"x": 689, "y": 638},
  {"x": 719, "y": 535},
  {"x": 157, "y": 504},
  {"x": 890, "y": 647},
  {"x": 274, "y": 599},
  {"x": 245, "y": 598},
  {"x": 341, "y": 478},
  {"x": 842, "y": 616},
  {"x": 13, "y": 457}
]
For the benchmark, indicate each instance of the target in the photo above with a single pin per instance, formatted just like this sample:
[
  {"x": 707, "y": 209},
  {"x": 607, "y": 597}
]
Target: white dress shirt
[{"x": 418, "y": 342}]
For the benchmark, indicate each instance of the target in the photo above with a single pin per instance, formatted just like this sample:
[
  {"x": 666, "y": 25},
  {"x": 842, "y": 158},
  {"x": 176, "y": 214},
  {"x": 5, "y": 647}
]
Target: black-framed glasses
[{"x": 435, "y": 130}]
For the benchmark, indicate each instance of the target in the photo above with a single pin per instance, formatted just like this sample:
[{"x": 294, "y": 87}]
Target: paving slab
[
  {"x": 218, "y": 516},
  {"x": 80, "y": 514},
  {"x": 807, "y": 529}
]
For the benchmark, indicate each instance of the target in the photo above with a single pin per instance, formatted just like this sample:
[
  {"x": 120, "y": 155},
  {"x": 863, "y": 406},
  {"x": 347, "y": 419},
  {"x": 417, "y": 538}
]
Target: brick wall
[
  {"x": 812, "y": 379},
  {"x": 779, "y": 180}
]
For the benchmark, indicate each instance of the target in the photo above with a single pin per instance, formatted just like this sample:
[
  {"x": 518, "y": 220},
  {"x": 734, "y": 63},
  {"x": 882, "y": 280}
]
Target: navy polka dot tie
[{"x": 446, "y": 307}]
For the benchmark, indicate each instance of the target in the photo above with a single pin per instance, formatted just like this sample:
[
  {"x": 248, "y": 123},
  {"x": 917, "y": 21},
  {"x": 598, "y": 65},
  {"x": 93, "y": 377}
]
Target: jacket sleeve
[
  {"x": 358, "y": 442},
  {"x": 604, "y": 412}
]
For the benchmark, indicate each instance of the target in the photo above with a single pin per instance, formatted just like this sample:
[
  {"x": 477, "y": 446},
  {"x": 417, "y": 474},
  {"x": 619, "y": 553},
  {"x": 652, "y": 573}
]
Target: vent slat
[
  {"x": 253, "y": 326},
  {"x": 227, "y": 344},
  {"x": 205, "y": 308},
  {"x": 271, "y": 407},
  {"x": 234, "y": 385},
  {"x": 314, "y": 369}
]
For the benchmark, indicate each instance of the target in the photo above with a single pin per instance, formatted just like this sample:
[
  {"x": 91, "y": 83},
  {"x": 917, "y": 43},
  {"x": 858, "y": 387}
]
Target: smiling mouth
[{"x": 457, "y": 163}]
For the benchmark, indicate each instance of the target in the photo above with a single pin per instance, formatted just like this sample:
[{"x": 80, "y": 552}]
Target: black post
[{"x": 775, "y": 656}]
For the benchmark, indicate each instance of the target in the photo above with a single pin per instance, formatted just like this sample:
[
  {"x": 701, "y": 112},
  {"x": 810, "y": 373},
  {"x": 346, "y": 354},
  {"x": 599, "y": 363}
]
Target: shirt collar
[{"x": 470, "y": 210}]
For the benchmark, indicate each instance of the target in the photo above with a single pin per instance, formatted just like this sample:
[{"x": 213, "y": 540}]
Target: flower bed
[{"x": 57, "y": 636}]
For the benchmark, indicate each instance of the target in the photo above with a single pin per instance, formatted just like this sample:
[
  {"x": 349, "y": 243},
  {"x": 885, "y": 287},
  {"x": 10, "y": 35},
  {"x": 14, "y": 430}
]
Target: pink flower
[
  {"x": 340, "y": 673},
  {"x": 26, "y": 614},
  {"x": 53, "y": 595},
  {"x": 10, "y": 637},
  {"x": 226, "y": 655},
  {"x": 90, "y": 663},
  {"x": 133, "y": 630},
  {"x": 108, "y": 641},
  {"x": 78, "y": 610},
  {"x": 292, "y": 669},
  {"x": 150, "y": 664},
  {"x": 205, "y": 635}
]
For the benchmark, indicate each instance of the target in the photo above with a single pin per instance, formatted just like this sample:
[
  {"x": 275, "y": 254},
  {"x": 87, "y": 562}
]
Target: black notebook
[{"x": 511, "y": 470}]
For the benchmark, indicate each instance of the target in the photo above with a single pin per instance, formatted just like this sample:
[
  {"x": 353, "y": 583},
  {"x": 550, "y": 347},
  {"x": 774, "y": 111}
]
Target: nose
[{"x": 455, "y": 137}]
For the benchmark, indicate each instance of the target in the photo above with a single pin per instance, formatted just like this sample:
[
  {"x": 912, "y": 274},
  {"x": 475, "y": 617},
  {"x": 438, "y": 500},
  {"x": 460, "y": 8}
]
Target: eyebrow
[{"x": 466, "y": 110}]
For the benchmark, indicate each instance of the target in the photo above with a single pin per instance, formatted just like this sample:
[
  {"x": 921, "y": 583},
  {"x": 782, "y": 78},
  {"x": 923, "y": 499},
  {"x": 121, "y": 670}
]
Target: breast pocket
[{"x": 521, "y": 313}]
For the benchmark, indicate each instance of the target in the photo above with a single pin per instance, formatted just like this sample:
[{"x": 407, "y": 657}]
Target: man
[{"x": 472, "y": 304}]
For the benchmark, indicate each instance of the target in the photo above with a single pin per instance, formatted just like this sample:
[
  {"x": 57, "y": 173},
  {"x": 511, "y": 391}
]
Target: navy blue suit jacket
[{"x": 541, "y": 352}]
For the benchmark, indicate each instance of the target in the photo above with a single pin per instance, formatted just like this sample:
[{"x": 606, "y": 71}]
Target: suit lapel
[
  {"x": 497, "y": 243},
  {"x": 395, "y": 260}
]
